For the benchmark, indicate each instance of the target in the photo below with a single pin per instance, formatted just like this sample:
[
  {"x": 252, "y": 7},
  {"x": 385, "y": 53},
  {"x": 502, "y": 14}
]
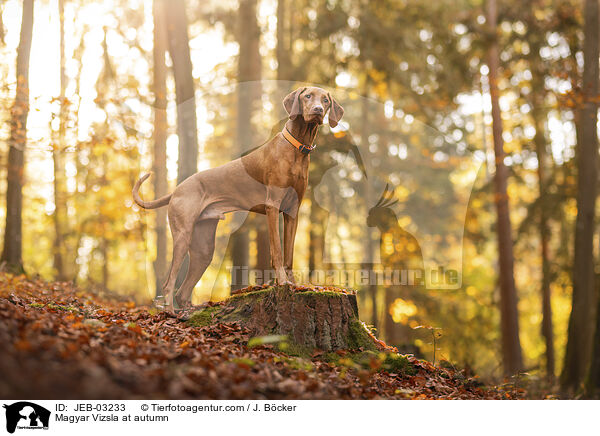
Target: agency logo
[{"x": 26, "y": 415}]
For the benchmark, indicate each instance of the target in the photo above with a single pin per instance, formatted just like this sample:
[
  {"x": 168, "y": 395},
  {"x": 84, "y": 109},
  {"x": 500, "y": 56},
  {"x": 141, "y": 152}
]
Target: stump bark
[{"x": 311, "y": 319}]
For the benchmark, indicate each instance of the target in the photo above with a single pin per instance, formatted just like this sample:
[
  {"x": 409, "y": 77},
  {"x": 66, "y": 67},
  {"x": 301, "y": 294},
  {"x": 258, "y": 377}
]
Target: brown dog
[{"x": 269, "y": 180}]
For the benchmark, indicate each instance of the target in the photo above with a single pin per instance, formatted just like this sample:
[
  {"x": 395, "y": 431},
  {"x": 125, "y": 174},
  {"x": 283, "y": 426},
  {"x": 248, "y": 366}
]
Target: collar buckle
[{"x": 306, "y": 148}]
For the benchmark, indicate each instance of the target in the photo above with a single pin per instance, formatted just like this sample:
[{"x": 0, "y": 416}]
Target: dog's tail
[{"x": 163, "y": 201}]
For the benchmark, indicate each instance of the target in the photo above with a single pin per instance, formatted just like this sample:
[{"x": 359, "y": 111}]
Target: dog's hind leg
[
  {"x": 182, "y": 235},
  {"x": 201, "y": 252}
]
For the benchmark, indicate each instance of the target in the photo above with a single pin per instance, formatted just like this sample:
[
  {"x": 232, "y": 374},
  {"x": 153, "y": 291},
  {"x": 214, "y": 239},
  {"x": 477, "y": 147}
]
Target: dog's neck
[{"x": 302, "y": 131}]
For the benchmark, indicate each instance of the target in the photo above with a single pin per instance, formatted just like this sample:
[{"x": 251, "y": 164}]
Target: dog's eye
[
  {"x": 325, "y": 101},
  {"x": 308, "y": 96}
]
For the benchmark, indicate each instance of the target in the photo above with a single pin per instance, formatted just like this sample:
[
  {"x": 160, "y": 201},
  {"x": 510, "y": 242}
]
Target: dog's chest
[{"x": 298, "y": 173}]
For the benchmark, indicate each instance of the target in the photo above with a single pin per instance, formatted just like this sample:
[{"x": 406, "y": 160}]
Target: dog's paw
[
  {"x": 286, "y": 283},
  {"x": 181, "y": 304},
  {"x": 170, "y": 311}
]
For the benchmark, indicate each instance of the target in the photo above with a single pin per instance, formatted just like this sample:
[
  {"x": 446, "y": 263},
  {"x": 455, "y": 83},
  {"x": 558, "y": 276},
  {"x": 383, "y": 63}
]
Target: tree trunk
[
  {"x": 81, "y": 176},
  {"x": 104, "y": 251},
  {"x": 391, "y": 330},
  {"x": 104, "y": 242},
  {"x": 179, "y": 49},
  {"x": 263, "y": 255},
  {"x": 60, "y": 189},
  {"x": 160, "y": 140},
  {"x": 547, "y": 329},
  {"x": 12, "y": 253},
  {"x": 581, "y": 322},
  {"x": 511, "y": 346},
  {"x": 540, "y": 115},
  {"x": 2, "y": 42},
  {"x": 369, "y": 245},
  {"x": 249, "y": 91},
  {"x": 325, "y": 320},
  {"x": 283, "y": 54},
  {"x": 593, "y": 387},
  {"x": 316, "y": 234}
]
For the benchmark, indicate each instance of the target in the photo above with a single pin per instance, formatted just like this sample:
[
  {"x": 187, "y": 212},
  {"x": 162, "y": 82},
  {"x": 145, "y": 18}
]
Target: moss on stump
[{"x": 310, "y": 319}]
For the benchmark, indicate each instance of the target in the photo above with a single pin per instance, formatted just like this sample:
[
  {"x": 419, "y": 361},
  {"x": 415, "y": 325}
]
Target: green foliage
[
  {"x": 392, "y": 363},
  {"x": 253, "y": 294},
  {"x": 244, "y": 362},
  {"x": 292, "y": 348},
  {"x": 269, "y": 339},
  {"x": 396, "y": 363},
  {"x": 204, "y": 317},
  {"x": 61, "y": 307},
  {"x": 96, "y": 323},
  {"x": 360, "y": 337},
  {"x": 318, "y": 294},
  {"x": 296, "y": 363}
]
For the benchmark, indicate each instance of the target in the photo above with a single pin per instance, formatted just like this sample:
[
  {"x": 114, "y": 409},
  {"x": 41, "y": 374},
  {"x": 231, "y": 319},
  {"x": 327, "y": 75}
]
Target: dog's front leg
[
  {"x": 275, "y": 243},
  {"x": 290, "y": 224}
]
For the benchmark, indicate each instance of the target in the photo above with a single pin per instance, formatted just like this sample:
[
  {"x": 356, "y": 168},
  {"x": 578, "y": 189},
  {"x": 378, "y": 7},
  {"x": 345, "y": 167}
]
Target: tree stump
[{"x": 310, "y": 318}]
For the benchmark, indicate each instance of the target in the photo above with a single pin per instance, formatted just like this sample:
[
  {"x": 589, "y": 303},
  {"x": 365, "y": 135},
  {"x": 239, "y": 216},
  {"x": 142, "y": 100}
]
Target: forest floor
[{"x": 60, "y": 342}]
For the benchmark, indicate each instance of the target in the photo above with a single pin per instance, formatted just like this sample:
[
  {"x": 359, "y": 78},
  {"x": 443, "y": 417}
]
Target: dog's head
[{"x": 312, "y": 103}]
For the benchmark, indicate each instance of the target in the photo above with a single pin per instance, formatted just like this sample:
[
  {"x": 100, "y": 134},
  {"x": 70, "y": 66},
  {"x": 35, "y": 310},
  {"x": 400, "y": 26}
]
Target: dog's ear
[
  {"x": 336, "y": 112},
  {"x": 291, "y": 103}
]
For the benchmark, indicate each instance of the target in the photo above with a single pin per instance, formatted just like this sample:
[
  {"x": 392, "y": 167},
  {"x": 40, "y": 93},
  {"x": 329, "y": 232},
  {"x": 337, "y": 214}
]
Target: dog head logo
[{"x": 26, "y": 415}]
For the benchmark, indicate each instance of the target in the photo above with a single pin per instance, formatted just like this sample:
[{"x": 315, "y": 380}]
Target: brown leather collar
[{"x": 303, "y": 148}]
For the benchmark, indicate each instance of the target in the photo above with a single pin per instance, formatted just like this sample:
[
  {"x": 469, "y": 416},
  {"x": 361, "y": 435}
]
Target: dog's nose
[{"x": 318, "y": 109}]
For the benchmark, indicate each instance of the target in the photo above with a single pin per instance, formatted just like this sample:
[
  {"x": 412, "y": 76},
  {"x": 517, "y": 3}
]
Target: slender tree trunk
[
  {"x": 12, "y": 253},
  {"x": 316, "y": 235},
  {"x": 103, "y": 87},
  {"x": 80, "y": 179},
  {"x": 1, "y": 23},
  {"x": 539, "y": 116},
  {"x": 593, "y": 387},
  {"x": 581, "y": 323},
  {"x": 104, "y": 243},
  {"x": 263, "y": 255},
  {"x": 249, "y": 90},
  {"x": 291, "y": 35},
  {"x": 312, "y": 242},
  {"x": 390, "y": 329},
  {"x": 104, "y": 251},
  {"x": 179, "y": 49},
  {"x": 369, "y": 246},
  {"x": 60, "y": 206},
  {"x": 547, "y": 329},
  {"x": 282, "y": 52},
  {"x": 511, "y": 346},
  {"x": 160, "y": 139}
]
